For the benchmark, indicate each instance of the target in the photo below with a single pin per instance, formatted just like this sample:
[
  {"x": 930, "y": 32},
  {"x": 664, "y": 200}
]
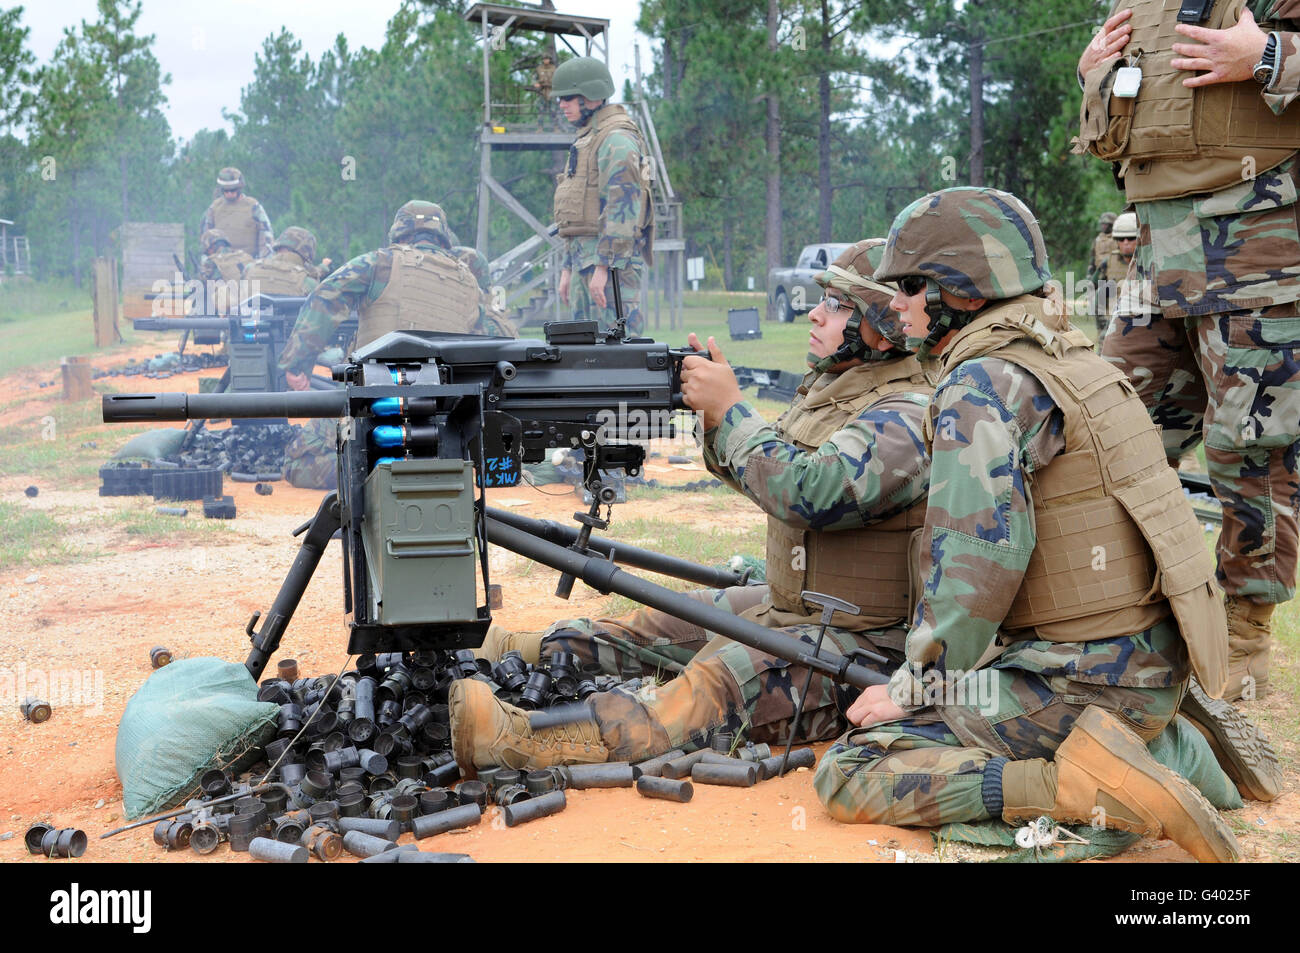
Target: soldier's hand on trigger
[
  {"x": 872, "y": 707},
  {"x": 1107, "y": 44},
  {"x": 709, "y": 387},
  {"x": 565, "y": 277},
  {"x": 1229, "y": 55},
  {"x": 296, "y": 381}
]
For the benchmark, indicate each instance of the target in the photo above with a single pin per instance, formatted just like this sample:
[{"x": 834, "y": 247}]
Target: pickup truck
[{"x": 794, "y": 290}]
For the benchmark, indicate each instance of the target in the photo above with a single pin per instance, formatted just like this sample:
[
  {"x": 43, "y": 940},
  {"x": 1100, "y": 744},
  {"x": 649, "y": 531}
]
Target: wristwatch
[{"x": 1267, "y": 64}]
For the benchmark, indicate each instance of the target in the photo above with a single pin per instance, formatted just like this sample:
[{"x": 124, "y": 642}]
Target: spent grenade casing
[
  {"x": 277, "y": 852},
  {"x": 420, "y": 857},
  {"x": 664, "y": 789},
  {"x": 655, "y": 766},
  {"x": 360, "y": 844},
  {"x": 456, "y": 818},
  {"x": 681, "y": 767},
  {"x": 741, "y": 774},
  {"x": 799, "y": 758},
  {"x": 387, "y": 829},
  {"x": 612, "y": 775},
  {"x": 543, "y": 805}
]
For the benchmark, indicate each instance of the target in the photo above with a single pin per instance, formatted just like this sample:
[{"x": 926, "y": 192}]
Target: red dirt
[{"x": 194, "y": 593}]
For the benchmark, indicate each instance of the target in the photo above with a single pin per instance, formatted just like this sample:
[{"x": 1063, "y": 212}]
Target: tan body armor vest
[
  {"x": 229, "y": 264},
  {"x": 236, "y": 222},
  {"x": 1102, "y": 246},
  {"x": 1118, "y": 543},
  {"x": 1172, "y": 141},
  {"x": 869, "y": 567},
  {"x": 577, "y": 188},
  {"x": 281, "y": 273},
  {"x": 426, "y": 291}
]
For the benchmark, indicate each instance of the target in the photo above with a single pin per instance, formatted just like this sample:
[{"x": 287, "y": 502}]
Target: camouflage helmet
[
  {"x": 1105, "y": 220},
  {"x": 418, "y": 216},
  {"x": 583, "y": 76},
  {"x": 975, "y": 242},
  {"x": 851, "y": 275},
  {"x": 230, "y": 178},
  {"x": 299, "y": 240},
  {"x": 1126, "y": 226},
  {"x": 211, "y": 238},
  {"x": 475, "y": 261}
]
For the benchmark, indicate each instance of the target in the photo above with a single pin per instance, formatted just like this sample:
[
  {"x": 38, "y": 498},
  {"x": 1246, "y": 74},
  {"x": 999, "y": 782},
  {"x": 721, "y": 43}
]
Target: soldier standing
[
  {"x": 1103, "y": 244},
  {"x": 1220, "y": 251},
  {"x": 240, "y": 217},
  {"x": 603, "y": 204},
  {"x": 543, "y": 76},
  {"x": 1115, "y": 268},
  {"x": 1033, "y": 681}
]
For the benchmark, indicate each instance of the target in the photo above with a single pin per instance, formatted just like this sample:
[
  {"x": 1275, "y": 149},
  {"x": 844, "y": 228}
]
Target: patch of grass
[
  {"x": 147, "y": 522},
  {"x": 44, "y": 336},
  {"x": 22, "y": 297},
  {"x": 31, "y": 538},
  {"x": 678, "y": 539}
]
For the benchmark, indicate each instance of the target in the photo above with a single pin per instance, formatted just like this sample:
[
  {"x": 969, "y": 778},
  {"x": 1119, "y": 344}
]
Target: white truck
[{"x": 795, "y": 290}]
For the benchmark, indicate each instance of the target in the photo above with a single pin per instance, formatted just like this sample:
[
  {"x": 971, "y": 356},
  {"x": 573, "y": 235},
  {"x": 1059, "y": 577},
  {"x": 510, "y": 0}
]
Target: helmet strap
[{"x": 943, "y": 317}]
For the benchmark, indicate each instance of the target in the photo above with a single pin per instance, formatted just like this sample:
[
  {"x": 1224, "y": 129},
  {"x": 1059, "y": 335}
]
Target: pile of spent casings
[
  {"x": 164, "y": 365},
  {"x": 360, "y": 760},
  {"x": 257, "y": 448}
]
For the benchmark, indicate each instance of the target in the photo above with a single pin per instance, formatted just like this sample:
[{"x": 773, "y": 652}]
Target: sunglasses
[
  {"x": 912, "y": 284},
  {"x": 567, "y": 99}
]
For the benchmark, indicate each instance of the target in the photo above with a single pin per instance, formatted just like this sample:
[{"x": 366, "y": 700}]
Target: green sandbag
[
  {"x": 190, "y": 716},
  {"x": 152, "y": 445}
]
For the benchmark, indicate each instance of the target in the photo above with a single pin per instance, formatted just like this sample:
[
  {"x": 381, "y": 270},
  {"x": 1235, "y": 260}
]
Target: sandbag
[
  {"x": 152, "y": 445},
  {"x": 189, "y": 716}
]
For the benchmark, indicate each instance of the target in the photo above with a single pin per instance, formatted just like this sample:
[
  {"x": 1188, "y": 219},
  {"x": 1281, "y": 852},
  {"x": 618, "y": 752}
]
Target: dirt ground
[{"x": 194, "y": 592}]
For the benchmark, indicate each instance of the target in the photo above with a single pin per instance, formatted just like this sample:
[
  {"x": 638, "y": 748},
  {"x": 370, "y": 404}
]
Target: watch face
[{"x": 1263, "y": 74}]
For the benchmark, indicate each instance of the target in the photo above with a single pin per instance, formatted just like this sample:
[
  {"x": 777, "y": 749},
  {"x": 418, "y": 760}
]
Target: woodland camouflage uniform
[
  {"x": 603, "y": 203},
  {"x": 1219, "y": 250},
  {"x": 981, "y": 729},
  {"x": 860, "y": 467}
]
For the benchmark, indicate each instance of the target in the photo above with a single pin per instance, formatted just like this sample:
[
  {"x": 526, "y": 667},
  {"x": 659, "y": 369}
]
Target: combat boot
[
  {"x": 1103, "y": 774},
  {"x": 1242, "y": 752},
  {"x": 486, "y": 731},
  {"x": 499, "y": 641},
  {"x": 1249, "y": 630}
]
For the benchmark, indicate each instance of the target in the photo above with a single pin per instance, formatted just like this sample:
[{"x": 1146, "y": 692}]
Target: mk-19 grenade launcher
[{"x": 427, "y": 418}]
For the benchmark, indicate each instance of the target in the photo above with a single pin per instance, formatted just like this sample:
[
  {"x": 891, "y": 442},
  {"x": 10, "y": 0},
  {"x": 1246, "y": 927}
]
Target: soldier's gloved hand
[
  {"x": 709, "y": 387},
  {"x": 599, "y": 277},
  {"x": 296, "y": 381},
  {"x": 565, "y": 277},
  {"x": 1107, "y": 44},
  {"x": 1229, "y": 55},
  {"x": 872, "y": 707}
]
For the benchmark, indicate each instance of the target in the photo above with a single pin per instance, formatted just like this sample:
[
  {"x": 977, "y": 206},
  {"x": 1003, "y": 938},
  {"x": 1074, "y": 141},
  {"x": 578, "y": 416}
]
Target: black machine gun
[{"x": 430, "y": 417}]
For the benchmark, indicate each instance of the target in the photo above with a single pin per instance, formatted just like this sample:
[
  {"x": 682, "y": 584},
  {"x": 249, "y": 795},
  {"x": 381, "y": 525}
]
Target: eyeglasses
[
  {"x": 912, "y": 284},
  {"x": 833, "y": 304},
  {"x": 565, "y": 99}
]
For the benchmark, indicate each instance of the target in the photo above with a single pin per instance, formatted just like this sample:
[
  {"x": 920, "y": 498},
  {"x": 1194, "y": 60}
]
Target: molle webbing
[
  {"x": 426, "y": 291},
  {"x": 235, "y": 220}
]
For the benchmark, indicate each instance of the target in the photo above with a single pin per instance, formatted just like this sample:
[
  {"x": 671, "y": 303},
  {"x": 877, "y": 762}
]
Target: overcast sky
[{"x": 208, "y": 45}]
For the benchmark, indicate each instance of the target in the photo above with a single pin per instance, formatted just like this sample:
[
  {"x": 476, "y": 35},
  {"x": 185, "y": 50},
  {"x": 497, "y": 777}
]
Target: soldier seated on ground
[
  {"x": 840, "y": 475},
  {"x": 1033, "y": 681}
]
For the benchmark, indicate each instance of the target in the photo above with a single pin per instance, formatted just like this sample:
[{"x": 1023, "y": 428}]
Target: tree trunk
[
  {"x": 728, "y": 228},
  {"x": 668, "y": 68},
  {"x": 772, "y": 225},
  {"x": 824, "y": 193},
  {"x": 977, "y": 111}
]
